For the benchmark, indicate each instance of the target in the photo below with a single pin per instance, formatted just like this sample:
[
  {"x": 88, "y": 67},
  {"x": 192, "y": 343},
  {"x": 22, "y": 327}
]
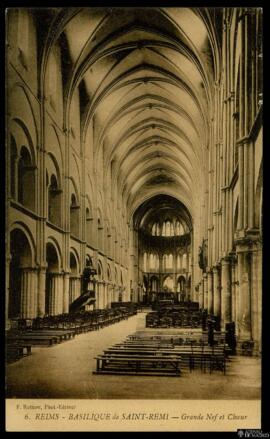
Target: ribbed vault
[{"x": 147, "y": 77}]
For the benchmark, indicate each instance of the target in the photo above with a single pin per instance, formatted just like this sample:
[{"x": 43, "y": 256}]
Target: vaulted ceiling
[{"x": 148, "y": 77}]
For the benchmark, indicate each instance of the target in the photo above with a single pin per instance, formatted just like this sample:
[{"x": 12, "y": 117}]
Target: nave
[
  {"x": 134, "y": 175},
  {"x": 67, "y": 372}
]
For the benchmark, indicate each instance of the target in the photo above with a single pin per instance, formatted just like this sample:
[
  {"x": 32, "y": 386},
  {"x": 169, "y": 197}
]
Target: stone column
[
  {"x": 201, "y": 294},
  {"x": 41, "y": 291},
  {"x": 196, "y": 294},
  {"x": 110, "y": 296},
  {"x": 56, "y": 294},
  {"x": 205, "y": 291},
  {"x": 74, "y": 288},
  {"x": 105, "y": 294},
  {"x": 174, "y": 273},
  {"x": 101, "y": 295},
  {"x": 257, "y": 296},
  {"x": 225, "y": 292},
  {"x": 246, "y": 189},
  {"x": 127, "y": 296},
  {"x": 66, "y": 293},
  {"x": 8, "y": 260},
  {"x": 210, "y": 292},
  {"x": 115, "y": 293},
  {"x": 98, "y": 296},
  {"x": 241, "y": 185},
  {"x": 28, "y": 293},
  {"x": 234, "y": 281},
  {"x": 243, "y": 318},
  {"x": 216, "y": 290},
  {"x": 123, "y": 294},
  {"x": 251, "y": 173},
  {"x": 107, "y": 288},
  {"x": 95, "y": 291}
]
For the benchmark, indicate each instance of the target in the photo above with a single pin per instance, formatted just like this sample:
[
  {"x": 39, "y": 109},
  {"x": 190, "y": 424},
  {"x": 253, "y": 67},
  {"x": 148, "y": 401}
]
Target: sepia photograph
[{"x": 134, "y": 188}]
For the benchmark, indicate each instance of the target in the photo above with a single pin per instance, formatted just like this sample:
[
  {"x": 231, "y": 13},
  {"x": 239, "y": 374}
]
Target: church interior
[{"x": 134, "y": 193}]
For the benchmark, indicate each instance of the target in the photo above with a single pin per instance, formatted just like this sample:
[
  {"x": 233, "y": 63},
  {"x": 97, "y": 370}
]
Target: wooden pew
[
  {"x": 173, "y": 317},
  {"x": 110, "y": 363},
  {"x": 63, "y": 334},
  {"x": 156, "y": 350},
  {"x": 193, "y": 356},
  {"x": 15, "y": 351},
  {"x": 141, "y": 351},
  {"x": 41, "y": 340},
  {"x": 182, "y": 337},
  {"x": 83, "y": 321}
]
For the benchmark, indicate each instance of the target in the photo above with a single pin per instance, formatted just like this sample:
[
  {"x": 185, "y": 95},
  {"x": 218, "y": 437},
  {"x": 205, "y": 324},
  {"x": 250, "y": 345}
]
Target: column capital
[
  {"x": 216, "y": 268},
  {"x": 242, "y": 246},
  {"x": 101, "y": 282},
  {"x": 226, "y": 260},
  {"x": 246, "y": 240},
  {"x": 71, "y": 276},
  {"x": 56, "y": 274},
  {"x": 29, "y": 269},
  {"x": 42, "y": 266}
]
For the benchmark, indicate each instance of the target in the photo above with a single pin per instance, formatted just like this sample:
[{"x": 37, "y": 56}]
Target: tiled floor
[{"x": 65, "y": 371}]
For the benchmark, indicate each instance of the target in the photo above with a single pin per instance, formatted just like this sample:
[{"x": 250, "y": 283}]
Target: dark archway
[
  {"x": 13, "y": 168},
  {"x": 21, "y": 257},
  {"x": 52, "y": 268},
  {"x": 26, "y": 179},
  {"x": 73, "y": 264},
  {"x": 54, "y": 201},
  {"x": 74, "y": 216}
]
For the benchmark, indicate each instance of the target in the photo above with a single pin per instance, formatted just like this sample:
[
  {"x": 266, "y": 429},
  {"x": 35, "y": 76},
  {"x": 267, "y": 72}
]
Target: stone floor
[{"x": 65, "y": 371}]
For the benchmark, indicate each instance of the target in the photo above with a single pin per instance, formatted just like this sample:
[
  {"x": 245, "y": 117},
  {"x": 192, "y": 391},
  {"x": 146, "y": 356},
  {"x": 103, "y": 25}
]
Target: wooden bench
[
  {"x": 174, "y": 318},
  {"x": 41, "y": 340},
  {"x": 148, "y": 343},
  {"x": 63, "y": 334},
  {"x": 141, "y": 351},
  {"x": 15, "y": 351},
  {"x": 161, "y": 336},
  {"x": 125, "y": 364},
  {"x": 204, "y": 357},
  {"x": 178, "y": 339},
  {"x": 157, "y": 351},
  {"x": 81, "y": 322}
]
